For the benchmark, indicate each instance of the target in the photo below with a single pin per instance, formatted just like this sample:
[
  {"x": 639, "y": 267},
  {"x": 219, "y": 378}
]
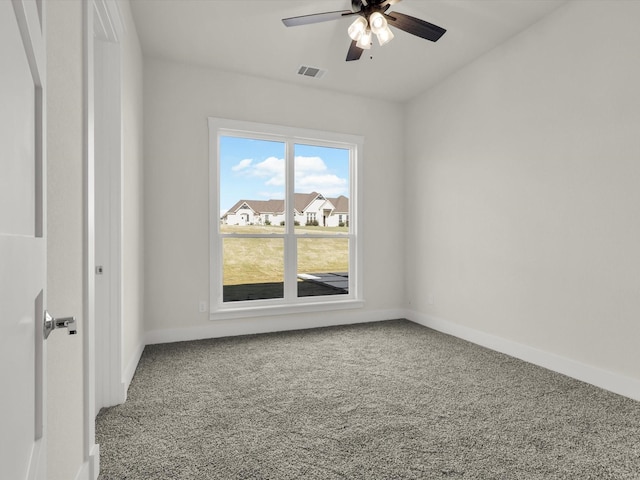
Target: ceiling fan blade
[
  {"x": 389, "y": 2},
  {"x": 415, "y": 26},
  {"x": 354, "y": 52},
  {"x": 316, "y": 18}
]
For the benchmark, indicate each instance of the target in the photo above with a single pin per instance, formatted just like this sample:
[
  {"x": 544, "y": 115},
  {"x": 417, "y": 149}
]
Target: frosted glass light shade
[
  {"x": 378, "y": 22},
  {"x": 357, "y": 28},
  {"x": 364, "y": 41},
  {"x": 385, "y": 36}
]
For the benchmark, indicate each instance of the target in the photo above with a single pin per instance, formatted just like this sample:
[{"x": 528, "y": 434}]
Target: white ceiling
[{"x": 247, "y": 36}]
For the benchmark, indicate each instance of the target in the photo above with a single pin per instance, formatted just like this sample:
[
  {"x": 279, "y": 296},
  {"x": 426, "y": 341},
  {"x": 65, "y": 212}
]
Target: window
[
  {"x": 311, "y": 217},
  {"x": 302, "y": 256}
]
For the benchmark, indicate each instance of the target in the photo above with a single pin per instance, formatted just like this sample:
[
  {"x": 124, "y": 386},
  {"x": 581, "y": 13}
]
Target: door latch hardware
[{"x": 51, "y": 324}]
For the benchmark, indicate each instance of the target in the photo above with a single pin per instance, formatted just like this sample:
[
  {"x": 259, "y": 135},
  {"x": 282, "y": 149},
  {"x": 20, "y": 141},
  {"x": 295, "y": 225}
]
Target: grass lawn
[{"x": 261, "y": 260}]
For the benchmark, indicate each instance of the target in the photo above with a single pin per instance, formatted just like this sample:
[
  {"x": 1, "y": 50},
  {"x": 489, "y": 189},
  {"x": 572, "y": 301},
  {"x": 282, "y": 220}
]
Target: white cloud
[
  {"x": 328, "y": 184},
  {"x": 309, "y": 164},
  {"x": 242, "y": 165},
  {"x": 271, "y": 168},
  {"x": 311, "y": 174}
]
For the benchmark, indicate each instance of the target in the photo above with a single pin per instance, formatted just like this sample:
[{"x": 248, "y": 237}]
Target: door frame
[
  {"x": 107, "y": 58},
  {"x": 100, "y": 17},
  {"x": 91, "y": 451}
]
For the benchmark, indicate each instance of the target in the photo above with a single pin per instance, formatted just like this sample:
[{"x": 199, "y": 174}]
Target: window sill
[{"x": 270, "y": 310}]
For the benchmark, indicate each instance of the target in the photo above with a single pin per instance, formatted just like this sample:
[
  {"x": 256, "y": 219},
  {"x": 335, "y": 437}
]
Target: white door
[{"x": 22, "y": 240}]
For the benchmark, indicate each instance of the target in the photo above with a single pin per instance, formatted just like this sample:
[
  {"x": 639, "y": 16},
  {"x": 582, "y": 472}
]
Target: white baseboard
[
  {"x": 614, "y": 382},
  {"x": 90, "y": 469},
  {"x": 130, "y": 370},
  {"x": 231, "y": 328}
]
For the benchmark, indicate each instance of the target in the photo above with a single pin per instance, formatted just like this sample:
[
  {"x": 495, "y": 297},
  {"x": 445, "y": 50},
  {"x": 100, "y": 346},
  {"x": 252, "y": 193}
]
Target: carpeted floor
[{"x": 389, "y": 400}]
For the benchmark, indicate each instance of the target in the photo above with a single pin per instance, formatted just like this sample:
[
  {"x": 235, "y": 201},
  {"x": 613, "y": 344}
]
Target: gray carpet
[{"x": 389, "y": 400}]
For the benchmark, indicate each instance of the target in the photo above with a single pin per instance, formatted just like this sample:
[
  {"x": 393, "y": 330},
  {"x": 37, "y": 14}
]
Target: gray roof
[{"x": 340, "y": 203}]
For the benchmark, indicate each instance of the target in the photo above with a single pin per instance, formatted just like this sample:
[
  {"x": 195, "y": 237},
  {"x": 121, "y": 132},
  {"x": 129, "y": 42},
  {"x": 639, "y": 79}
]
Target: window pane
[
  {"x": 252, "y": 185},
  {"x": 323, "y": 266},
  {"x": 321, "y": 203},
  {"x": 253, "y": 269}
]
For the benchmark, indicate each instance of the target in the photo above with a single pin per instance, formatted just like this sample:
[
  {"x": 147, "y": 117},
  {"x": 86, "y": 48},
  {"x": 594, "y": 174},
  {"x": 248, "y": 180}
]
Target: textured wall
[
  {"x": 526, "y": 166},
  {"x": 132, "y": 192},
  {"x": 178, "y": 100}
]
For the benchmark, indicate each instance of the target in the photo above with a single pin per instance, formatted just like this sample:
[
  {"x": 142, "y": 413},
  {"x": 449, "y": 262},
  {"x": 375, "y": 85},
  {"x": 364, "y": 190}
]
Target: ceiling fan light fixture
[
  {"x": 378, "y": 22},
  {"x": 364, "y": 41},
  {"x": 385, "y": 36},
  {"x": 371, "y": 17},
  {"x": 357, "y": 28}
]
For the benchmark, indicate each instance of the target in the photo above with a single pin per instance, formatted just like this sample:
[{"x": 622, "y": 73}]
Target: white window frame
[{"x": 291, "y": 303}]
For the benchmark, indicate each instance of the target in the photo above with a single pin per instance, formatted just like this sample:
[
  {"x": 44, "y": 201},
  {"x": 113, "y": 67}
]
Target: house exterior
[{"x": 308, "y": 209}]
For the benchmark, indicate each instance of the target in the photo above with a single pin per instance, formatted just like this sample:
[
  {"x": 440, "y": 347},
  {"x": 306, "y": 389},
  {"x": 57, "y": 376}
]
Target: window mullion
[
  {"x": 290, "y": 245},
  {"x": 355, "y": 226},
  {"x": 216, "y": 261}
]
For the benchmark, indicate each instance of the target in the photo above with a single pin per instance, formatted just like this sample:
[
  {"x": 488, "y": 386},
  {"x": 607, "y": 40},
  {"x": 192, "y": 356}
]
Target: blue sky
[{"x": 254, "y": 170}]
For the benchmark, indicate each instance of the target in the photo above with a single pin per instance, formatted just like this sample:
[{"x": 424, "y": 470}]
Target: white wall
[
  {"x": 132, "y": 196},
  {"x": 527, "y": 166},
  {"x": 177, "y": 101},
  {"x": 64, "y": 237}
]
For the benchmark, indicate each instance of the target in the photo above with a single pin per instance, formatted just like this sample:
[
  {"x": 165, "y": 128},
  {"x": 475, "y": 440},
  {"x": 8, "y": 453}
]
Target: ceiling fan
[{"x": 371, "y": 18}]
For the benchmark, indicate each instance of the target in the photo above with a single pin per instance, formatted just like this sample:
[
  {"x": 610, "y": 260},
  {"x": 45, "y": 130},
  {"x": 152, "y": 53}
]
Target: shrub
[
  {"x": 282, "y": 223},
  {"x": 341, "y": 224},
  {"x": 267, "y": 222},
  {"x": 296, "y": 223}
]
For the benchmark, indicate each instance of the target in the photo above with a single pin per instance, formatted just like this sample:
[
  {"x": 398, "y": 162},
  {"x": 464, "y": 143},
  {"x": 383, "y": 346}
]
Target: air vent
[{"x": 313, "y": 72}]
